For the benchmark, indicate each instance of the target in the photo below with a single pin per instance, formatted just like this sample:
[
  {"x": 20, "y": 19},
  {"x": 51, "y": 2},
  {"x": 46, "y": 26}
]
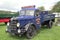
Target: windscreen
[{"x": 27, "y": 12}]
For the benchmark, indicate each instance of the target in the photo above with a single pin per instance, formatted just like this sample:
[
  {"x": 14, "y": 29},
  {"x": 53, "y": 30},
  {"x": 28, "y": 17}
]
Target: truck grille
[{"x": 13, "y": 24}]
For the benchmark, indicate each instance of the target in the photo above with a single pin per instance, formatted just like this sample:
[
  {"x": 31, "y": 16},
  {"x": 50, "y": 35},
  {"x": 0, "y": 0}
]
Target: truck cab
[{"x": 28, "y": 21}]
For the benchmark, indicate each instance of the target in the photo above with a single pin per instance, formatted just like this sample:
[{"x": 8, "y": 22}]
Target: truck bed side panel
[{"x": 47, "y": 17}]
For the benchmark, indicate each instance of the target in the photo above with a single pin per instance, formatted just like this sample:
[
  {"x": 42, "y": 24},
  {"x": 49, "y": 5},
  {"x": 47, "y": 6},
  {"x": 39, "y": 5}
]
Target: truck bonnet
[{"x": 24, "y": 17}]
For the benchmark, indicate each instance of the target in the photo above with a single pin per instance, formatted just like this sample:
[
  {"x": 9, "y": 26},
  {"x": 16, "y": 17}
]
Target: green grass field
[{"x": 43, "y": 34}]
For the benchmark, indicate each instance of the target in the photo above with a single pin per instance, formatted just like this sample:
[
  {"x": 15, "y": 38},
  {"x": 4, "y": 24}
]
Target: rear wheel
[
  {"x": 31, "y": 32},
  {"x": 50, "y": 24}
]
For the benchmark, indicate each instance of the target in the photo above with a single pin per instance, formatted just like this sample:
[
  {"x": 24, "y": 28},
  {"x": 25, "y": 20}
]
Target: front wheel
[{"x": 31, "y": 32}]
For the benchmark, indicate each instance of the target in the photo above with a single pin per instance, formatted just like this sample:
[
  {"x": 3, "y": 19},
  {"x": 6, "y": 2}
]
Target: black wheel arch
[{"x": 33, "y": 25}]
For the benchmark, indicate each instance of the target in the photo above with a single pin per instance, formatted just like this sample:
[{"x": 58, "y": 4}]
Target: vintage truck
[
  {"x": 5, "y": 16},
  {"x": 29, "y": 21}
]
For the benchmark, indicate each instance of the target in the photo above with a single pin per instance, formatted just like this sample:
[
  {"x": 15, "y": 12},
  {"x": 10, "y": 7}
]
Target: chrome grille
[{"x": 13, "y": 24}]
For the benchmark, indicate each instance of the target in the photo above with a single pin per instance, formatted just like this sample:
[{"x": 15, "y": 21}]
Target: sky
[{"x": 15, "y": 5}]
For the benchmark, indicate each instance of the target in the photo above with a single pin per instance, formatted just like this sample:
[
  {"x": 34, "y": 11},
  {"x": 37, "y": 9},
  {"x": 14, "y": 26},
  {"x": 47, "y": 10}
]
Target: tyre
[
  {"x": 50, "y": 23},
  {"x": 30, "y": 32},
  {"x": 5, "y": 23}
]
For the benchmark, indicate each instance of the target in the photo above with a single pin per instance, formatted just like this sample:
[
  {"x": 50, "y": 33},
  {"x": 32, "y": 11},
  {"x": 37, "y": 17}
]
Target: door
[{"x": 37, "y": 18}]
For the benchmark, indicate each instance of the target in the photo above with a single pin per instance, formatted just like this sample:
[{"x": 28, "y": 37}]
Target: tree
[
  {"x": 41, "y": 8},
  {"x": 56, "y": 7}
]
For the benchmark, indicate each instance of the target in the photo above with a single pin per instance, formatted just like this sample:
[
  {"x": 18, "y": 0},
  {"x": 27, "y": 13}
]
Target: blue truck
[{"x": 30, "y": 19}]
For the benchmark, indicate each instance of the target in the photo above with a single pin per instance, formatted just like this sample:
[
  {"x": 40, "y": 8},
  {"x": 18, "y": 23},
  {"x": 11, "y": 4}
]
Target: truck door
[{"x": 37, "y": 18}]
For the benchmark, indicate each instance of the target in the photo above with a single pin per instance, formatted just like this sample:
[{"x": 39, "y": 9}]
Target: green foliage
[
  {"x": 56, "y": 7},
  {"x": 4, "y": 14},
  {"x": 41, "y": 8}
]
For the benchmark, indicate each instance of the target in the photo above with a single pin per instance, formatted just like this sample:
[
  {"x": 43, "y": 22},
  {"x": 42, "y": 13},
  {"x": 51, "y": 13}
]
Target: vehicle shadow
[
  {"x": 42, "y": 29},
  {"x": 23, "y": 37}
]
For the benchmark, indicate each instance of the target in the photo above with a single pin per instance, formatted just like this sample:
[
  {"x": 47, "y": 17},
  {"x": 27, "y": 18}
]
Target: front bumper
[
  {"x": 16, "y": 31},
  {"x": 12, "y": 28}
]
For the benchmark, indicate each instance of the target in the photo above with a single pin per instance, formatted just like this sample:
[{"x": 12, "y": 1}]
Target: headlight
[
  {"x": 18, "y": 24},
  {"x": 19, "y": 30},
  {"x": 8, "y": 24}
]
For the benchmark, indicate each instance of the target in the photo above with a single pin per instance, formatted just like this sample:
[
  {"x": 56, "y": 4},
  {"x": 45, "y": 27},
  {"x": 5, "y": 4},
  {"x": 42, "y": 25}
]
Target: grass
[{"x": 43, "y": 34}]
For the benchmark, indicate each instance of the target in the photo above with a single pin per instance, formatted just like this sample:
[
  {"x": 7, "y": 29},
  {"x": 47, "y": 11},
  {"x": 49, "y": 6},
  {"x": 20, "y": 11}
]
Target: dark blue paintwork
[
  {"x": 23, "y": 20},
  {"x": 25, "y": 17},
  {"x": 44, "y": 16}
]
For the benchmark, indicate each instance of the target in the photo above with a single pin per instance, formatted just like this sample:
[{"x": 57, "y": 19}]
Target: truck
[
  {"x": 5, "y": 16},
  {"x": 30, "y": 20}
]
